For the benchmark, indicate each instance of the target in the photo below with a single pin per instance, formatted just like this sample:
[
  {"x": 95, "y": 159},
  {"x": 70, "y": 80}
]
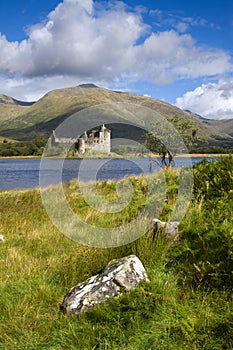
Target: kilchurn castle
[{"x": 98, "y": 140}]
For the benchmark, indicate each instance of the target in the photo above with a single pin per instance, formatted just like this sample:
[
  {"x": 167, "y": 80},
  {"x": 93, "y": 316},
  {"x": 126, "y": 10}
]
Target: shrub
[
  {"x": 213, "y": 179},
  {"x": 8, "y": 152},
  {"x": 204, "y": 256}
]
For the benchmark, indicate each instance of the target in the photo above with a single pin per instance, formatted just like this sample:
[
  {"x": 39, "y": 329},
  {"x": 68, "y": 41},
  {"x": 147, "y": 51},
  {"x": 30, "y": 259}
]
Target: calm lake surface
[{"x": 25, "y": 173}]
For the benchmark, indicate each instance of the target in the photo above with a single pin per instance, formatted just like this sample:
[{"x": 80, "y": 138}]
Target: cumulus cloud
[
  {"x": 78, "y": 38},
  {"x": 31, "y": 89},
  {"x": 75, "y": 39},
  {"x": 212, "y": 100},
  {"x": 167, "y": 56},
  {"x": 82, "y": 41}
]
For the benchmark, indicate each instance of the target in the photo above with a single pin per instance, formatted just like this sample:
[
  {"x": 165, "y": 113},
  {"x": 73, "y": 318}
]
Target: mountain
[
  {"x": 223, "y": 125},
  {"x": 6, "y": 100},
  {"x": 25, "y": 121},
  {"x": 11, "y": 108}
]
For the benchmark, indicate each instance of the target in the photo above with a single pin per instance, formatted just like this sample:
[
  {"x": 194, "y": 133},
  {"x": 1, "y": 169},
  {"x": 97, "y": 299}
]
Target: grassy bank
[{"x": 187, "y": 305}]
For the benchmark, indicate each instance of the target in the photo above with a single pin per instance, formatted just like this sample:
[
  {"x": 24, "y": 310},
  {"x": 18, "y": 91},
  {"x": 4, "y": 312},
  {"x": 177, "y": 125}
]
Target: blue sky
[{"x": 179, "y": 51}]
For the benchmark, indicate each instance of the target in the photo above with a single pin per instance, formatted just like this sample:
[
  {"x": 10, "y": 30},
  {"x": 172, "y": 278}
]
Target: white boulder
[{"x": 120, "y": 275}]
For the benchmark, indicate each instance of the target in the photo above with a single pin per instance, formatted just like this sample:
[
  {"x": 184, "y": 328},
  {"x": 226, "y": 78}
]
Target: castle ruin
[{"x": 98, "y": 140}]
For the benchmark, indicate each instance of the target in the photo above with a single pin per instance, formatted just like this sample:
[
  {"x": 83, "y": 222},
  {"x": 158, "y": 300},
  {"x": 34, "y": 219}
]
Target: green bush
[
  {"x": 23, "y": 148},
  {"x": 213, "y": 179},
  {"x": 204, "y": 256},
  {"x": 8, "y": 152}
]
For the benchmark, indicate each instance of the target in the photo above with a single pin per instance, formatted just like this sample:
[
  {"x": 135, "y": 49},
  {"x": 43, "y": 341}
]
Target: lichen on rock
[{"x": 118, "y": 276}]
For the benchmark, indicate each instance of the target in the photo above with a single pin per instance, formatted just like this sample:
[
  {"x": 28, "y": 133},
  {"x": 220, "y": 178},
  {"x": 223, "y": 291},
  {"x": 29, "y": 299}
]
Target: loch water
[{"x": 18, "y": 173}]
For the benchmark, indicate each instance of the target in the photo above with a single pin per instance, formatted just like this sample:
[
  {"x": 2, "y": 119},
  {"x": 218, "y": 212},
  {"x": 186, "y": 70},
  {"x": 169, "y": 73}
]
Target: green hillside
[
  {"x": 29, "y": 121},
  {"x": 11, "y": 109}
]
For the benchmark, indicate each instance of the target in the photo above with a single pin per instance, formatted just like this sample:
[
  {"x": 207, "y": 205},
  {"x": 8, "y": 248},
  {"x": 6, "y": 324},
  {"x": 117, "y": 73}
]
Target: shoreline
[{"x": 191, "y": 155}]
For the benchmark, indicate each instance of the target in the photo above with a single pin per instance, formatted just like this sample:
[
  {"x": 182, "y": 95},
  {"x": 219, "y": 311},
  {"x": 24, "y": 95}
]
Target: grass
[{"x": 174, "y": 311}]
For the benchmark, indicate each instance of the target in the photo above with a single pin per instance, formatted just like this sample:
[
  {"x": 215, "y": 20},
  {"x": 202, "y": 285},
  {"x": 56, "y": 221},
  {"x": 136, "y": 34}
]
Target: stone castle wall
[{"x": 98, "y": 140}]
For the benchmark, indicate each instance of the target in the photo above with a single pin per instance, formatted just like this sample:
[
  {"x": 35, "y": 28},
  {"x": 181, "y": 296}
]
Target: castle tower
[
  {"x": 81, "y": 146},
  {"x": 102, "y": 134},
  {"x": 85, "y": 137},
  {"x": 107, "y": 139}
]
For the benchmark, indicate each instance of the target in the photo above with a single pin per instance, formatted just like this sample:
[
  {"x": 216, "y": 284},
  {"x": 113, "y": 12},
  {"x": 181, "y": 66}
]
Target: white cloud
[
  {"x": 75, "y": 40},
  {"x": 167, "y": 56},
  {"x": 212, "y": 100},
  {"x": 178, "y": 21},
  {"x": 31, "y": 89},
  {"x": 182, "y": 27},
  {"x": 82, "y": 41}
]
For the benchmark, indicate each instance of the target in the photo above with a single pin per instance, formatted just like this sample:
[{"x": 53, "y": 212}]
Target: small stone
[
  {"x": 171, "y": 228},
  {"x": 2, "y": 238},
  {"x": 120, "y": 275},
  {"x": 157, "y": 224}
]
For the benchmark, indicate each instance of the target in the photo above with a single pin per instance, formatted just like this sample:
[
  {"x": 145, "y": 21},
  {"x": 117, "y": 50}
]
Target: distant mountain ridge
[
  {"x": 27, "y": 120},
  {"x": 223, "y": 125},
  {"x": 12, "y": 101}
]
